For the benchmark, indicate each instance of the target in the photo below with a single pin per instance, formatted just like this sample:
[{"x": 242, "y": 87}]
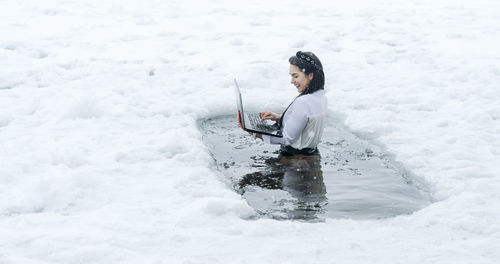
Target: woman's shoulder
[
  {"x": 308, "y": 97},
  {"x": 310, "y": 101},
  {"x": 302, "y": 100}
]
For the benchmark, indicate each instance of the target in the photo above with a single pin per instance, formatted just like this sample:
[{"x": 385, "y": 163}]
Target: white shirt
[{"x": 303, "y": 122}]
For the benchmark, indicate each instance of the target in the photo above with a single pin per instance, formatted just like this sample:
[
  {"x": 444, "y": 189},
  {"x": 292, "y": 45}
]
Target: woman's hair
[{"x": 309, "y": 63}]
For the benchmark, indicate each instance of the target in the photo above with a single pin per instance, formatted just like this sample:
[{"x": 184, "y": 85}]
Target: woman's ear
[{"x": 310, "y": 76}]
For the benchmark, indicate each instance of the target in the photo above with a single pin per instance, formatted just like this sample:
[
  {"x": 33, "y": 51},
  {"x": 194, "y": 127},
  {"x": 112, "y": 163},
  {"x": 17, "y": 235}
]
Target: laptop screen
[{"x": 239, "y": 102}]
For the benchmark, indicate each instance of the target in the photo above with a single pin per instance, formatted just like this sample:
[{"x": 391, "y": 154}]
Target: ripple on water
[{"x": 353, "y": 178}]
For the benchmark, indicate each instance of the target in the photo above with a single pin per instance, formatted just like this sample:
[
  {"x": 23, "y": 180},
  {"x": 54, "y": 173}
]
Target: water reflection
[{"x": 300, "y": 176}]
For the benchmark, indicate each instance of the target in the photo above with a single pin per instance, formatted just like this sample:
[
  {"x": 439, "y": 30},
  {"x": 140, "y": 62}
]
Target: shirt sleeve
[{"x": 293, "y": 127}]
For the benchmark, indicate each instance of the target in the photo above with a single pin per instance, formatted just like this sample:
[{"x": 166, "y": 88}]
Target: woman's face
[{"x": 300, "y": 79}]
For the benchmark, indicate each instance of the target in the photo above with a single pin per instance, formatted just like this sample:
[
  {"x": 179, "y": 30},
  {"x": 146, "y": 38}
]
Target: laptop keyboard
[{"x": 257, "y": 125}]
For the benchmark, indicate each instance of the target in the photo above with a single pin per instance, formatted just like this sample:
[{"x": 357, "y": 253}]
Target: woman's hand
[{"x": 269, "y": 115}]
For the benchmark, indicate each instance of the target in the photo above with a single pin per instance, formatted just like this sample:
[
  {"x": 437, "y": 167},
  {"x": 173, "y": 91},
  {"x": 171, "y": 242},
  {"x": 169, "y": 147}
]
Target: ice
[{"x": 102, "y": 161}]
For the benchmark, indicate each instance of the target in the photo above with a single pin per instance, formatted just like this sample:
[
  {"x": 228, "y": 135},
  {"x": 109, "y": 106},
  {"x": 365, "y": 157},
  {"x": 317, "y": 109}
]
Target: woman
[{"x": 302, "y": 122}]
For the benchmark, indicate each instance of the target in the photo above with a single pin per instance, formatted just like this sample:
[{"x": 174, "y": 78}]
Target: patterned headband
[{"x": 308, "y": 59}]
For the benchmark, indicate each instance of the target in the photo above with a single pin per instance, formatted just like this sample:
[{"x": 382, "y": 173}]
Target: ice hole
[{"x": 353, "y": 178}]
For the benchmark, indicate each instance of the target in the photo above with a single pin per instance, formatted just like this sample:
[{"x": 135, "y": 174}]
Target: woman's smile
[{"x": 299, "y": 79}]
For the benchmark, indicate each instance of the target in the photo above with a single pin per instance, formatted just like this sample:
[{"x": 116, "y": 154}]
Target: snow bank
[{"x": 102, "y": 162}]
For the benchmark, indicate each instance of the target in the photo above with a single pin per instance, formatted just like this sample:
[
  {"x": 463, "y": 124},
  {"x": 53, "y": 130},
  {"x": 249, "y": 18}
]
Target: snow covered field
[{"x": 101, "y": 160}]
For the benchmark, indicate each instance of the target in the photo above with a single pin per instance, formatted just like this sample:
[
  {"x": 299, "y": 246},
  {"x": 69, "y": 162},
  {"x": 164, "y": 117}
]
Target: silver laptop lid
[{"x": 239, "y": 101}]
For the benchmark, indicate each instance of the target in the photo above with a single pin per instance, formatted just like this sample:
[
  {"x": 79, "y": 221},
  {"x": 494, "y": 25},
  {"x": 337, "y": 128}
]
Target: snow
[{"x": 101, "y": 160}]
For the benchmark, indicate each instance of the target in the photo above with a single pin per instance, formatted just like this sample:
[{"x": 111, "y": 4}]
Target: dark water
[{"x": 351, "y": 179}]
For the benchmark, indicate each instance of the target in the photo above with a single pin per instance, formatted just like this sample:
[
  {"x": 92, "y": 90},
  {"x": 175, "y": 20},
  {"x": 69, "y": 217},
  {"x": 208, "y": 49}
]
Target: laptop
[{"x": 251, "y": 122}]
